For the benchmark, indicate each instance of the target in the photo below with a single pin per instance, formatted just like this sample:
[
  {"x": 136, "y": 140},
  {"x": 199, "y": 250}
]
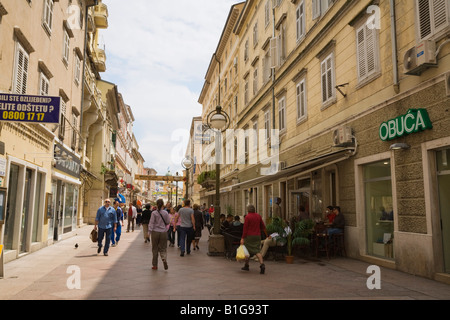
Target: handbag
[{"x": 94, "y": 235}]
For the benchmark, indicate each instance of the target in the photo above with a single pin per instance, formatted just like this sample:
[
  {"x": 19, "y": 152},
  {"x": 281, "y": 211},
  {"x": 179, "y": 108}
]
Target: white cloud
[{"x": 158, "y": 53}]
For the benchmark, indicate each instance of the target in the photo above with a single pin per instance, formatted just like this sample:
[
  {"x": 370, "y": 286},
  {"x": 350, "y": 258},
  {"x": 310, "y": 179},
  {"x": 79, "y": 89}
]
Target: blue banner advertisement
[{"x": 34, "y": 109}]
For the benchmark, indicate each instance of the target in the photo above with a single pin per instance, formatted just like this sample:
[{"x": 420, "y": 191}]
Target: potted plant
[{"x": 298, "y": 237}]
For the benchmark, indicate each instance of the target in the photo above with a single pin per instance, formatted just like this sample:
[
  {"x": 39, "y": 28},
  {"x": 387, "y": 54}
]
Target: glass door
[
  {"x": 10, "y": 217},
  {"x": 379, "y": 209},
  {"x": 26, "y": 211},
  {"x": 443, "y": 175}
]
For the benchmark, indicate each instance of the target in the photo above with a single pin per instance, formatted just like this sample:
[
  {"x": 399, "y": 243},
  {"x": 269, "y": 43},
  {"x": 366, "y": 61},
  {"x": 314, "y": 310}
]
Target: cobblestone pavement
[{"x": 126, "y": 274}]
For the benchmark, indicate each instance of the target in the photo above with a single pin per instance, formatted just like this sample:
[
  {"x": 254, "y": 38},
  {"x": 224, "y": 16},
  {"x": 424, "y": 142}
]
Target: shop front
[
  {"x": 62, "y": 209},
  {"x": 402, "y": 183}
]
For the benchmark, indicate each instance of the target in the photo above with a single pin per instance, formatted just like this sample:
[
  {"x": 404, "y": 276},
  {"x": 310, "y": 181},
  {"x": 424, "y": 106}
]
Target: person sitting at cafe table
[
  {"x": 273, "y": 240},
  {"x": 330, "y": 215},
  {"x": 338, "y": 224}
]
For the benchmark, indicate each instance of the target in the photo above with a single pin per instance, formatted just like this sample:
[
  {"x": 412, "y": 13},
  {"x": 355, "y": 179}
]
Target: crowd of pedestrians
[{"x": 166, "y": 226}]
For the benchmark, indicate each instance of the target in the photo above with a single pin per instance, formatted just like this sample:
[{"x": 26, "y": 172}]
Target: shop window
[
  {"x": 443, "y": 175},
  {"x": 379, "y": 209}
]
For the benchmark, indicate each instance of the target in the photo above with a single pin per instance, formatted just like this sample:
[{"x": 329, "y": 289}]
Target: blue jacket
[{"x": 106, "y": 217}]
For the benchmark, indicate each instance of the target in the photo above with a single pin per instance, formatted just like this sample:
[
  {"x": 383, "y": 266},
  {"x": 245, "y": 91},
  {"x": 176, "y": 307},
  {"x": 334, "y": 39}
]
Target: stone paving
[{"x": 126, "y": 274}]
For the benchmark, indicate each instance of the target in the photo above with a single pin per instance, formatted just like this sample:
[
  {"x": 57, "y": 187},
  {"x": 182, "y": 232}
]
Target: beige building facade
[{"x": 358, "y": 93}]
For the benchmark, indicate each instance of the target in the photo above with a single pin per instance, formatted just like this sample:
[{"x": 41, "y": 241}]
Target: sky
[{"x": 158, "y": 53}]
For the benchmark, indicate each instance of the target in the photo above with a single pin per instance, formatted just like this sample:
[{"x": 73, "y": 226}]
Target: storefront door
[
  {"x": 443, "y": 175},
  {"x": 379, "y": 209}
]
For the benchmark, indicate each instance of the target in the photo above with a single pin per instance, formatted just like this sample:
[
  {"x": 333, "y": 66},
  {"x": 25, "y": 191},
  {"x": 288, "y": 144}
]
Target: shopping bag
[
  {"x": 242, "y": 253},
  {"x": 94, "y": 235}
]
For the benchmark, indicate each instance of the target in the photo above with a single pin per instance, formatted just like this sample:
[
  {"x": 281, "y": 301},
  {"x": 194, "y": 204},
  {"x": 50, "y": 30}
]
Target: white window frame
[
  {"x": 267, "y": 12},
  {"x": 282, "y": 114},
  {"x": 320, "y": 7},
  {"x": 47, "y": 19},
  {"x": 21, "y": 66},
  {"x": 300, "y": 15},
  {"x": 255, "y": 81},
  {"x": 77, "y": 70},
  {"x": 44, "y": 84},
  {"x": 328, "y": 71},
  {"x": 267, "y": 125},
  {"x": 66, "y": 47},
  {"x": 301, "y": 100},
  {"x": 367, "y": 53},
  {"x": 246, "y": 96},
  {"x": 439, "y": 19},
  {"x": 255, "y": 34}
]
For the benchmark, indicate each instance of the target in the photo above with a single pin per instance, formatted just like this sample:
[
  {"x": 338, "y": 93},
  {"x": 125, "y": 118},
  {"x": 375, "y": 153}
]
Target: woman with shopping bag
[{"x": 251, "y": 237}]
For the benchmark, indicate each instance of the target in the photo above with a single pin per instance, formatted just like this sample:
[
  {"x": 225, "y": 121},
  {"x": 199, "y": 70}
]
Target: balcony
[
  {"x": 100, "y": 59},
  {"x": 101, "y": 16}
]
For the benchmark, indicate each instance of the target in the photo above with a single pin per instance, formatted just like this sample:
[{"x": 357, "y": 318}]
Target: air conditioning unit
[
  {"x": 419, "y": 58},
  {"x": 342, "y": 136}
]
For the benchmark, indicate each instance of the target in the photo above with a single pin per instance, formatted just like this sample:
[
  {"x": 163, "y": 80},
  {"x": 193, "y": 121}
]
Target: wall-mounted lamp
[{"x": 400, "y": 146}]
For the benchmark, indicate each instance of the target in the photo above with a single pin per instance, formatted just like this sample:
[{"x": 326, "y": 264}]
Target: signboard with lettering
[
  {"x": 158, "y": 178},
  {"x": 415, "y": 120},
  {"x": 34, "y": 109},
  {"x": 66, "y": 161}
]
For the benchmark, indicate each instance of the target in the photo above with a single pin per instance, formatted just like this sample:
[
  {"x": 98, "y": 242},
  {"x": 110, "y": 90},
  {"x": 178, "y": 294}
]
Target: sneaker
[{"x": 105, "y": 254}]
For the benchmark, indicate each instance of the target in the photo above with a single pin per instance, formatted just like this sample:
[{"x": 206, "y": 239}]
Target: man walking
[
  {"x": 106, "y": 220},
  {"x": 115, "y": 236}
]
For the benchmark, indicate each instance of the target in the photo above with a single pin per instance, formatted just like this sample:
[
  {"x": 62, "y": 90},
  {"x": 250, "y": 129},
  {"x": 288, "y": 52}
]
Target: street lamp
[
  {"x": 187, "y": 164},
  {"x": 219, "y": 121}
]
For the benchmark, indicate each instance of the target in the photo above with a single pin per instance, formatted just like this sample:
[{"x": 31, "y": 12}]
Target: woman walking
[
  {"x": 198, "y": 218},
  {"x": 159, "y": 221},
  {"x": 251, "y": 236}
]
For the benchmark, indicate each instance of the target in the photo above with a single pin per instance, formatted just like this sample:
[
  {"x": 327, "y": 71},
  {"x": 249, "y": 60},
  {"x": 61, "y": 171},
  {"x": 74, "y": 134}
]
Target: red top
[{"x": 253, "y": 225}]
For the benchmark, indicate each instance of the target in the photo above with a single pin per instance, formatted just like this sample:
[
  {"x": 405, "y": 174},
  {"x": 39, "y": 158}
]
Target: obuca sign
[{"x": 414, "y": 121}]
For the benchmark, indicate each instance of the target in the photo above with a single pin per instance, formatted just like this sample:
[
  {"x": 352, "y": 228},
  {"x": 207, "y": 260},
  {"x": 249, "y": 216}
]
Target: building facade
[{"x": 357, "y": 92}]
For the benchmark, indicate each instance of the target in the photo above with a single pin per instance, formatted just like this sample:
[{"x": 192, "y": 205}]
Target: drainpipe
[
  {"x": 84, "y": 67},
  {"x": 273, "y": 72},
  {"x": 394, "y": 47}
]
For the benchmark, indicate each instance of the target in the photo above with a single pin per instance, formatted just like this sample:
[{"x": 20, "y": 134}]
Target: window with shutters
[
  {"x": 267, "y": 125},
  {"x": 328, "y": 79},
  {"x": 300, "y": 21},
  {"x": 44, "y": 85},
  {"x": 48, "y": 15},
  {"x": 255, "y": 34},
  {"x": 432, "y": 17},
  {"x": 282, "y": 114},
  {"x": 77, "y": 70},
  {"x": 301, "y": 100},
  {"x": 320, "y": 7},
  {"x": 62, "y": 120},
  {"x": 267, "y": 12},
  {"x": 66, "y": 47},
  {"x": 246, "y": 97},
  {"x": 21, "y": 70},
  {"x": 367, "y": 53},
  {"x": 255, "y": 81}
]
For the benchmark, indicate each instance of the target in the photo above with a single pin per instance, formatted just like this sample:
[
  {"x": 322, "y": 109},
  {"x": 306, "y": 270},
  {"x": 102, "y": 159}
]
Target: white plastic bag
[{"x": 242, "y": 253}]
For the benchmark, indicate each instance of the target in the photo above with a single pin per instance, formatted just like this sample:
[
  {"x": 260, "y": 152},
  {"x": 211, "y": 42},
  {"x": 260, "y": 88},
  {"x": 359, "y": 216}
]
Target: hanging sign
[
  {"x": 415, "y": 120},
  {"x": 34, "y": 109}
]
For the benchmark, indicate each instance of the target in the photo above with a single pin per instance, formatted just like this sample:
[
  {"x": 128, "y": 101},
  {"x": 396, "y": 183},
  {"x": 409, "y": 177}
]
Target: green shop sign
[{"x": 414, "y": 121}]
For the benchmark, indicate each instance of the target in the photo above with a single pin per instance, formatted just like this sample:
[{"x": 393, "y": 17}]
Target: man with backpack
[{"x": 115, "y": 236}]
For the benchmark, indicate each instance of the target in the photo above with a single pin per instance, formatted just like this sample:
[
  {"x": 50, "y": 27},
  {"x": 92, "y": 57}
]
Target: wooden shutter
[
  {"x": 433, "y": 16},
  {"x": 44, "y": 85},
  {"x": 21, "y": 70}
]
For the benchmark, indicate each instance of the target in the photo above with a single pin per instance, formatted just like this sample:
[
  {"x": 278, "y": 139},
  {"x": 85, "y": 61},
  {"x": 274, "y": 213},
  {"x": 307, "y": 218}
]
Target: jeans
[
  {"x": 186, "y": 236},
  {"x": 171, "y": 235},
  {"x": 104, "y": 233},
  {"x": 117, "y": 234}
]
